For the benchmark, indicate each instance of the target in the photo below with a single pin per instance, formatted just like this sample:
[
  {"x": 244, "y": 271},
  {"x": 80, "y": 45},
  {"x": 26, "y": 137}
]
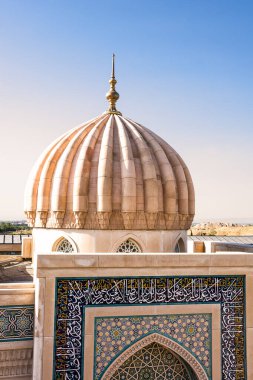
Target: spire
[
  {"x": 113, "y": 61},
  {"x": 112, "y": 95}
]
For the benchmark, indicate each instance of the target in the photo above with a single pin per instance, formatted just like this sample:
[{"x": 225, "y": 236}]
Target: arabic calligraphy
[{"x": 73, "y": 295}]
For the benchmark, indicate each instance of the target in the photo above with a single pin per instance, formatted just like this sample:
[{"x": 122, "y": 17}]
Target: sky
[{"x": 184, "y": 70}]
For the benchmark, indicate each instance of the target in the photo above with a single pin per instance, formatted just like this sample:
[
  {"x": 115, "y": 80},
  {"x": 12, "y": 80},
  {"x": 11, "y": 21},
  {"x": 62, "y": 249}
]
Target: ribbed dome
[{"x": 110, "y": 173}]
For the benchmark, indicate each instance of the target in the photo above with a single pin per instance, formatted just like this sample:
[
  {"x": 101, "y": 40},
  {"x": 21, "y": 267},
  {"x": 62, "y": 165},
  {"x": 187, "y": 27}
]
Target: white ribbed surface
[{"x": 110, "y": 173}]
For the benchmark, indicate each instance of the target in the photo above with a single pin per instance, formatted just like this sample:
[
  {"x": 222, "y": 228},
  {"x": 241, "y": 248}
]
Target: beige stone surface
[
  {"x": 89, "y": 356},
  {"x": 249, "y": 301},
  {"x": 10, "y": 247},
  {"x": 16, "y": 360},
  {"x": 38, "y": 351},
  {"x": 76, "y": 174},
  {"x": 250, "y": 352},
  {"x": 193, "y": 262},
  {"x": 39, "y": 307},
  {"x": 56, "y": 260},
  {"x": 49, "y": 307},
  {"x": 16, "y": 345},
  {"x": 29, "y": 377},
  {"x": 17, "y": 294},
  {"x": 156, "y": 271},
  {"x": 80, "y": 272},
  {"x": 47, "y": 365},
  {"x": 26, "y": 247},
  {"x": 84, "y": 241},
  {"x": 216, "y": 354}
]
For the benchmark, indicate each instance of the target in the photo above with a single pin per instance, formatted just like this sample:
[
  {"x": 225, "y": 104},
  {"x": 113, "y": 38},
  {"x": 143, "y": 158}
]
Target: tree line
[{"x": 6, "y": 227}]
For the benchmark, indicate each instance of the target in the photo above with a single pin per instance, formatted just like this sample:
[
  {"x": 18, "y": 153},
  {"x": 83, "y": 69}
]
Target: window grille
[
  {"x": 154, "y": 362},
  {"x": 65, "y": 246},
  {"x": 128, "y": 246}
]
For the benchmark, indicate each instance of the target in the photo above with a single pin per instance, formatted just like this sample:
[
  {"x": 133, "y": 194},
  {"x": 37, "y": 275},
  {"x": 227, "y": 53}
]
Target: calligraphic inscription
[
  {"x": 192, "y": 331},
  {"x": 74, "y": 295},
  {"x": 16, "y": 322}
]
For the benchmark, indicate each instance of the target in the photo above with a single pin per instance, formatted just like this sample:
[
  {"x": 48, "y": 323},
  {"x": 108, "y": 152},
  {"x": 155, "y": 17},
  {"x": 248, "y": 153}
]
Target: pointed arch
[
  {"x": 129, "y": 246},
  {"x": 180, "y": 246},
  {"x": 163, "y": 341},
  {"x": 64, "y": 240},
  {"x": 131, "y": 240}
]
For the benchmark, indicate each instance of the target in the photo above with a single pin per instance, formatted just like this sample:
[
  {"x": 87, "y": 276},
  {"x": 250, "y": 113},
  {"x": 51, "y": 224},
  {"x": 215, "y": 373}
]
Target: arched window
[
  {"x": 128, "y": 246},
  {"x": 64, "y": 246},
  {"x": 155, "y": 357},
  {"x": 180, "y": 246},
  {"x": 177, "y": 248},
  {"x": 154, "y": 362}
]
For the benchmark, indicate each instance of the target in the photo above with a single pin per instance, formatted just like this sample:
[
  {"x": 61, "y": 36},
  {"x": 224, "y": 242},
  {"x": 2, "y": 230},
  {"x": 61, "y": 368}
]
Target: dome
[{"x": 110, "y": 173}]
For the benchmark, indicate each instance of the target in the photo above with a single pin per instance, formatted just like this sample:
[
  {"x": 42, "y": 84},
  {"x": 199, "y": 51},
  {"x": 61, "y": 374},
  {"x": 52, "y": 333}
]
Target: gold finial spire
[
  {"x": 112, "y": 95},
  {"x": 113, "y": 61}
]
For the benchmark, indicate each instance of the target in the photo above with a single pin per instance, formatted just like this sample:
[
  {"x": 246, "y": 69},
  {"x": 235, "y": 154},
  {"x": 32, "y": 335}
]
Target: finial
[
  {"x": 113, "y": 59},
  {"x": 112, "y": 95}
]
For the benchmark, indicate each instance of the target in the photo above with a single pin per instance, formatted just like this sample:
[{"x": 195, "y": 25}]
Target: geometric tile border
[
  {"x": 114, "y": 334},
  {"x": 74, "y": 295},
  {"x": 16, "y": 323}
]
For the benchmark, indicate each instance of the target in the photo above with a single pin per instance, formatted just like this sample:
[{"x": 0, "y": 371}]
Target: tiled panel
[
  {"x": 16, "y": 322},
  {"x": 114, "y": 334},
  {"x": 73, "y": 295}
]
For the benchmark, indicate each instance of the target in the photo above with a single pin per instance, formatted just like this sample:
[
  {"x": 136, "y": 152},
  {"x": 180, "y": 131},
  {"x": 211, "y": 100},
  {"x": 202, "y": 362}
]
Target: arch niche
[
  {"x": 180, "y": 246},
  {"x": 153, "y": 357},
  {"x": 128, "y": 243},
  {"x": 64, "y": 244},
  {"x": 128, "y": 246}
]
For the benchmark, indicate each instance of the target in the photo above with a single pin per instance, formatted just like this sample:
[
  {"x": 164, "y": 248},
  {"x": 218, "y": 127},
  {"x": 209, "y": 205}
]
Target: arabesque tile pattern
[
  {"x": 16, "y": 322},
  {"x": 114, "y": 334}
]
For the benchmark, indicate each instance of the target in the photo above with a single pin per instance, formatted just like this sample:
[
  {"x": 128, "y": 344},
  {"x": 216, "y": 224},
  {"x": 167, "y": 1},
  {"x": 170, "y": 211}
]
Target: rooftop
[
  {"x": 225, "y": 239},
  {"x": 15, "y": 269}
]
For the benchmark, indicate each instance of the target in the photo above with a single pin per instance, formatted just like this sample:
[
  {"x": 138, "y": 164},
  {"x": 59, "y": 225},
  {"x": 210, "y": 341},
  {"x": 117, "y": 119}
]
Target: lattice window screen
[
  {"x": 128, "y": 246},
  {"x": 65, "y": 246},
  {"x": 153, "y": 362}
]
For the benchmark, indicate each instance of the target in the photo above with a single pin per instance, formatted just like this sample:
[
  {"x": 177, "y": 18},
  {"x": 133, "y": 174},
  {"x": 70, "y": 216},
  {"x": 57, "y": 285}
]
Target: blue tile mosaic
[
  {"x": 73, "y": 295},
  {"x": 16, "y": 322},
  {"x": 153, "y": 362},
  {"x": 114, "y": 334}
]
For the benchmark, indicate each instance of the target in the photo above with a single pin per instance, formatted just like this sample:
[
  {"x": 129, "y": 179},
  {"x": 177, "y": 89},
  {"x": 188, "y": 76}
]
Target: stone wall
[{"x": 85, "y": 241}]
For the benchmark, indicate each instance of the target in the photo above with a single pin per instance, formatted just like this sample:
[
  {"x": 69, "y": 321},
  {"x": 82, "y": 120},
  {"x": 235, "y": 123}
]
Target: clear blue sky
[{"x": 184, "y": 70}]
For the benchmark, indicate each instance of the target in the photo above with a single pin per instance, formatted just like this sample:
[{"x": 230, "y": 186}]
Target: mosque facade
[{"x": 115, "y": 295}]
